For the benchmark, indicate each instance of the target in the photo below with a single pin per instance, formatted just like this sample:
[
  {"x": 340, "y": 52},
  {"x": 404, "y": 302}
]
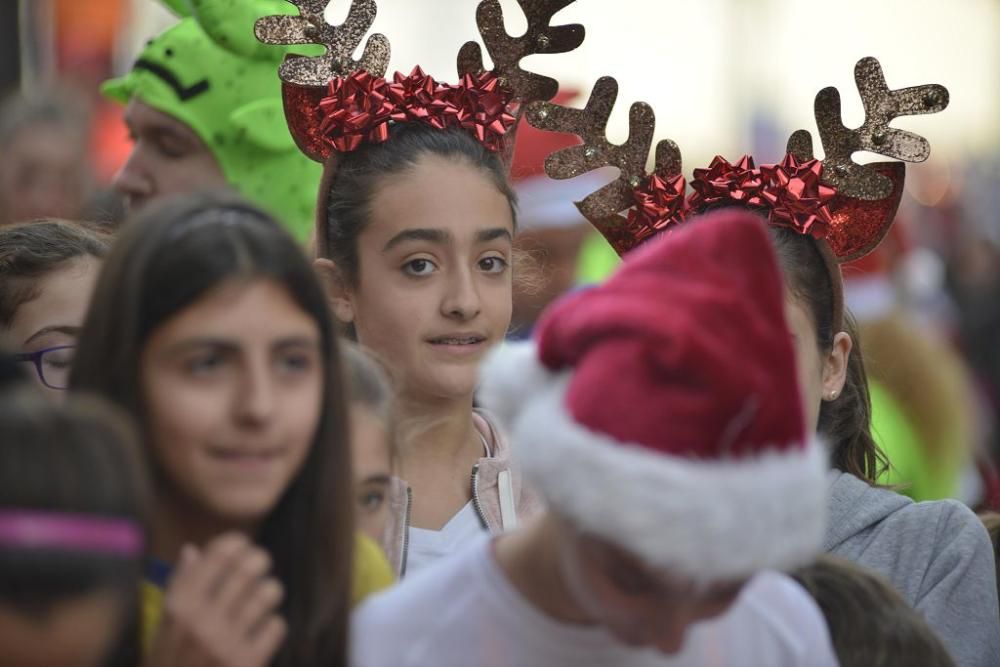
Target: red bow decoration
[
  {"x": 482, "y": 107},
  {"x": 356, "y": 109},
  {"x": 418, "y": 97},
  {"x": 724, "y": 183},
  {"x": 359, "y": 107},
  {"x": 796, "y": 197},
  {"x": 659, "y": 203}
]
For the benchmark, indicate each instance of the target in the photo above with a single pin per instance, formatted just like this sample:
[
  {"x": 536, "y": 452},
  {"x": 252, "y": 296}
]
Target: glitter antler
[
  {"x": 881, "y": 105},
  {"x": 310, "y": 27},
  {"x": 507, "y": 51},
  {"x": 590, "y": 124}
]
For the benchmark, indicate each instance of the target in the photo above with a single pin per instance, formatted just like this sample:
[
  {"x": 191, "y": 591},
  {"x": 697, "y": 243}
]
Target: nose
[
  {"x": 255, "y": 399},
  {"x": 667, "y": 631},
  {"x": 133, "y": 179},
  {"x": 461, "y": 300}
]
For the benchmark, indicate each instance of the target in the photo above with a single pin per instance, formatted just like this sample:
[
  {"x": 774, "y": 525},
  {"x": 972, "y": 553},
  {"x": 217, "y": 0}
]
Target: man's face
[
  {"x": 639, "y": 606},
  {"x": 167, "y": 158}
]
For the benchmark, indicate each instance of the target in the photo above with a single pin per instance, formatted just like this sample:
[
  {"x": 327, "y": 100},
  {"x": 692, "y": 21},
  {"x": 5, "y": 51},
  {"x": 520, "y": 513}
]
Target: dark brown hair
[
  {"x": 82, "y": 458},
  {"x": 359, "y": 173},
  {"x": 846, "y": 421},
  {"x": 870, "y": 623},
  {"x": 167, "y": 259},
  {"x": 31, "y": 250}
]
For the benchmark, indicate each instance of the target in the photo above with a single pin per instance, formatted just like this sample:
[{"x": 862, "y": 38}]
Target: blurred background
[{"x": 724, "y": 77}]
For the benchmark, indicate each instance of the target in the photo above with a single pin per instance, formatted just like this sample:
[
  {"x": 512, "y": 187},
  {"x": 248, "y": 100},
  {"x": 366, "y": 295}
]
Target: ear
[
  {"x": 835, "y": 366},
  {"x": 337, "y": 289}
]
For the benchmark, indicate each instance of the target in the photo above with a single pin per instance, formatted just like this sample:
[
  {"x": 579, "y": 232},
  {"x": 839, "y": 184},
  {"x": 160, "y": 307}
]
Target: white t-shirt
[
  {"x": 427, "y": 546},
  {"x": 463, "y": 611}
]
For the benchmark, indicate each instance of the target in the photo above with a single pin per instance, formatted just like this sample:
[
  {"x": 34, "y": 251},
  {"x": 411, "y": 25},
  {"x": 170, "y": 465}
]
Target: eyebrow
[
  {"x": 376, "y": 479},
  {"x": 233, "y": 346},
  {"x": 441, "y": 236},
  {"x": 63, "y": 329}
]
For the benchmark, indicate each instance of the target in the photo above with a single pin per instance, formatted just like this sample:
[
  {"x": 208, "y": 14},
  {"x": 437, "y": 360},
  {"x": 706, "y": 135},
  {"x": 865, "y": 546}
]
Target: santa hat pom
[{"x": 511, "y": 375}]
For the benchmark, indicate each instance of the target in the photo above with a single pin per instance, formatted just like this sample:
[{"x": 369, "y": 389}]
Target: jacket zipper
[
  {"x": 406, "y": 532},
  {"x": 475, "y": 497}
]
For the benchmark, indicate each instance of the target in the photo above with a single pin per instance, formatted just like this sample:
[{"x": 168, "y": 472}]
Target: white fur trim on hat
[
  {"x": 704, "y": 519},
  {"x": 511, "y": 375}
]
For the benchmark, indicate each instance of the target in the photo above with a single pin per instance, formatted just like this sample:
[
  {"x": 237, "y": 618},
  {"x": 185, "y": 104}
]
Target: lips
[
  {"x": 467, "y": 339},
  {"x": 245, "y": 458}
]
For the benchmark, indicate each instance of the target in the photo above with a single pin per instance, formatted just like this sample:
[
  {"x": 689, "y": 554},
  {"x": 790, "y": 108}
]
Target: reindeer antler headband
[
  {"x": 848, "y": 205},
  {"x": 334, "y": 103}
]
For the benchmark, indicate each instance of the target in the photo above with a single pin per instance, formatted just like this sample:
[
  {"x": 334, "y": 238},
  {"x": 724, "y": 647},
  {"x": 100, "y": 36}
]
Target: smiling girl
[{"x": 209, "y": 327}]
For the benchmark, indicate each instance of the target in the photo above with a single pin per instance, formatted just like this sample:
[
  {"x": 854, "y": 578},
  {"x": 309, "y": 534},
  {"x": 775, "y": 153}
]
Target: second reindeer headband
[{"x": 849, "y": 205}]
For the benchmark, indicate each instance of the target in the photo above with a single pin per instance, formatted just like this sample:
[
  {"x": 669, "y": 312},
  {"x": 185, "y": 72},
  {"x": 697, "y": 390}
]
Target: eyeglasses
[{"x": 52, "y": 364}]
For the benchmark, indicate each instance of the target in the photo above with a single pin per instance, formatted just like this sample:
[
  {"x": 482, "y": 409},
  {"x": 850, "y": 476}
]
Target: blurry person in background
[
  {"x": 48, "y": 269},
  {"x": 44, "y": 171},
  {"x": 550, "y": 229},
  {"x": 72, "y": 532},
  {"x": 204, "y": 110},
  {"x": 922, "y": 395},
  {"x": 373, "y": 448},
  {"x": 871, "y": 625}
]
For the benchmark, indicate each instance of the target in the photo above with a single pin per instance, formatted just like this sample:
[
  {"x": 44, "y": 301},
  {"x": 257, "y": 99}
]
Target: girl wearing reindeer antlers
[
  {"x": 414, "y": 237},
  {"x": 820, "y": 214}
]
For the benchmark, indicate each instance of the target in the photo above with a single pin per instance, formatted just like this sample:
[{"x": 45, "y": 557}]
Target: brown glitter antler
[
  {"x": 590, "y": 124},
  {"x": 310, "y": 27},
  {"x": 507, "y": 52},
  {"x": 881, "y": 105}
]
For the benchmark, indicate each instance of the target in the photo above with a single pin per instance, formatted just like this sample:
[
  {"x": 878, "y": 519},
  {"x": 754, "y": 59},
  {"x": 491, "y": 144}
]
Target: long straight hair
[{"x": 164, "y": 261}]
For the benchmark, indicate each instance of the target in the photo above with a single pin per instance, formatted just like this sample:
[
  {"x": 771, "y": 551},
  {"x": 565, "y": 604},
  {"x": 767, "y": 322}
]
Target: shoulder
[{"x": 775, "y": 609}]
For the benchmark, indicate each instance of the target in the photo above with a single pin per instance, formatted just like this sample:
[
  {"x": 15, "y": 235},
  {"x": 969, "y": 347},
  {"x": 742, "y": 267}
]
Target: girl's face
[
  {"x": 434, "y": 287},
  {"x": 638, "y": 605},
  {"x": 52, "y": 320},
  {"x": 372, "y": 459},
  {"x": 821, "y": 374},
  {"x": 232, "y": 387}
]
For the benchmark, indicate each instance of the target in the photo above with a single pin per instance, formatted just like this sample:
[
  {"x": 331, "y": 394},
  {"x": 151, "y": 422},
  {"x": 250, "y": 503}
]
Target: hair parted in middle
[{"x": 170, "y": 256}]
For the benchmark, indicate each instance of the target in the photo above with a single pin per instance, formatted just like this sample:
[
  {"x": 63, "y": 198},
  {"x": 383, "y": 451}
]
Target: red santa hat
[{"x": 661, "y": 410}]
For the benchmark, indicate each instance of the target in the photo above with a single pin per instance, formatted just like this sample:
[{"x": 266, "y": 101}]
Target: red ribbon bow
[
  {"x": 659, "y": 203},
  {"x": 356, "y": 109},
  {"x": 359, "y": 107},
  {"x": 482, "y": 107},
  {"x": 796, "y": 197},
  {"x": 724, "y": 183}
]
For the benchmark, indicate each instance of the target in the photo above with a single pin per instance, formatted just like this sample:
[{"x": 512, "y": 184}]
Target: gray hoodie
[{"x": 936, "y": 554}]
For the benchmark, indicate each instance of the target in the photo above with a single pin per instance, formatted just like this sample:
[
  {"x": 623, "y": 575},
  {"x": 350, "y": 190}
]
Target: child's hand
[{"x": 220, "y": 608}]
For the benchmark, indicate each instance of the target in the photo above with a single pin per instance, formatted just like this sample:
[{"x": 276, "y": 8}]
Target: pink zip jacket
[{"x": 498, "y": 496}]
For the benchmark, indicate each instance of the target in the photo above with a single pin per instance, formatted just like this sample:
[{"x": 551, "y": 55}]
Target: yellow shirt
[{"x": 371, "y": 574}]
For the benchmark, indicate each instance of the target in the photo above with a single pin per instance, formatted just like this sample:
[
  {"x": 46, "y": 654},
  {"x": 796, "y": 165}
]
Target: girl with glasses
[{"x": 47, "y": 274}]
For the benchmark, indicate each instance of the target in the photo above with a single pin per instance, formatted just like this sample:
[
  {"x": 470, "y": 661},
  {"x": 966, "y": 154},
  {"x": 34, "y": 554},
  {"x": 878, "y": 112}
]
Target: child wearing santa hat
[{"x": 659, "y": 415}]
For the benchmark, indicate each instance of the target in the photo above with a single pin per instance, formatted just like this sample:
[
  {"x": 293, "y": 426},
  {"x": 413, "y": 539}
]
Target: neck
[
  {"x": 177, "y": 522},
  {"x": 436, "y": 430},
  {"x": 530, "y": 559}
]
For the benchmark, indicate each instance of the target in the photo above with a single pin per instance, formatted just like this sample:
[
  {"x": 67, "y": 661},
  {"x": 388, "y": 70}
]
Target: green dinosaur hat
[{"x": 210, "y": 72}]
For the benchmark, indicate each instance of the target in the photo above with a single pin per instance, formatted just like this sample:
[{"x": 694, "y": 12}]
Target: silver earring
[{"x": 833, "y": 395}]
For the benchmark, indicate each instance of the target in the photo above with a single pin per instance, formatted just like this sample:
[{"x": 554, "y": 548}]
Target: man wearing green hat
[{"x": 204, "y": 108}]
